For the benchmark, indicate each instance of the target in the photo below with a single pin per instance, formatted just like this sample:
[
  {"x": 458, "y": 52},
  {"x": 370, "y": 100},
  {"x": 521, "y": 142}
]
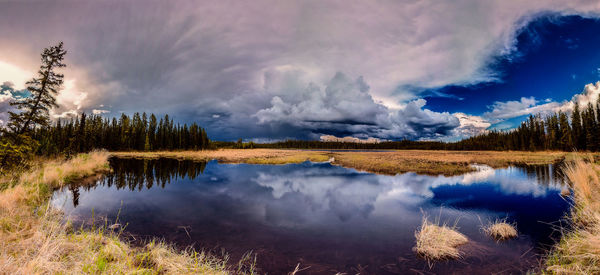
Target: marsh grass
[
  {"x": 430, "y": 162},
  {"x": 501, "y": 230},
  {"x": 578, "y": 251},
  {"x": 251, "y": 156},
  {"x": 34, "y": 239},
  {"x": 437, "y": 241}
]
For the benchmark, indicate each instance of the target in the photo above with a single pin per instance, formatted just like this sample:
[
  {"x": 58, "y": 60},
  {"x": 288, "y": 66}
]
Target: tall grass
[
  {"x": 578, "y": 252},
  {"x": 35, "y": 240}
]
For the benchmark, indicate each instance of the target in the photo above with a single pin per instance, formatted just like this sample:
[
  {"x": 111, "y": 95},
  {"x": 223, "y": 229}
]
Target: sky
[{"x": 272, "y": 70}]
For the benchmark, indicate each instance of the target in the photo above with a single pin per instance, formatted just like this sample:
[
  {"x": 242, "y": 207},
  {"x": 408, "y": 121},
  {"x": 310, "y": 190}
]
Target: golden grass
[
  {"x": 252, "y": 156},
  {"x": 578, "y": 252},
  {"x": 390, "y": 162},
  {"x": 501, "y": 230},
  {"x": 448, "y": 163},
  {"x": 34, "y": 240},
  {"x": 438, "y": 242}
]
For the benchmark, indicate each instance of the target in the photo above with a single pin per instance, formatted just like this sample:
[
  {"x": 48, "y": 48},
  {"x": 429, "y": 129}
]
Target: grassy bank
[
  {"x": 252, "y": 156},
  {"x": 34, "y": 240},
  {"x": 578, "y": 252},
  {"x": 392, "y": 162}
]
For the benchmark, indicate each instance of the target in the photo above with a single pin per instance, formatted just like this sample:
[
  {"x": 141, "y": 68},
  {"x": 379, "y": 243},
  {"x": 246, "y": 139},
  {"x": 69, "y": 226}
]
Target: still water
[{"x": 327, "y": 218}]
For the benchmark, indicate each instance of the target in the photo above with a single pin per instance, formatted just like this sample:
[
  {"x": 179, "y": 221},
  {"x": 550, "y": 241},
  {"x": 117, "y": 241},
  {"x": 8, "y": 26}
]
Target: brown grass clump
[
  {"x": 578, "y": 252},
  {"x": 35, "y": 240},
  {"x": 438, "y": 242},
  {"x": 501, "y": 230}
]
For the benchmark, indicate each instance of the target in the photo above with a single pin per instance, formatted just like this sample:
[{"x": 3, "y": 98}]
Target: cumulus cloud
[
  {"x": 344, "y": 106},
  {"x": 194, "y": 61},
  {"x": 500, "y": 111},
  {"x": 469, "y": 126},
  {"x": 70, "y": 100}
]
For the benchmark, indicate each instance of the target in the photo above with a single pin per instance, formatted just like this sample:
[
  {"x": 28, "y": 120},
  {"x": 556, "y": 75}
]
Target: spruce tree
[
  {"x": 34, "y": 110},
  {"x": 16, "y": 143},
  {"x": 578, "y": 133}
]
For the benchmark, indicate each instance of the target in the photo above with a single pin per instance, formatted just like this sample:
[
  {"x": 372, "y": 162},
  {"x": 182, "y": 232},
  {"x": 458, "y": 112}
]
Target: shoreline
[
  {"x": 447, "y": 163},
  {"x": 35, "y": 238}
]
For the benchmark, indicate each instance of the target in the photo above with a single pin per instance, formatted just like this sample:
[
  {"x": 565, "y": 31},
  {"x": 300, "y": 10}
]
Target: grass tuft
[
  {"x": 501, "y": 230},
  {"x": 438, "y": 242}
]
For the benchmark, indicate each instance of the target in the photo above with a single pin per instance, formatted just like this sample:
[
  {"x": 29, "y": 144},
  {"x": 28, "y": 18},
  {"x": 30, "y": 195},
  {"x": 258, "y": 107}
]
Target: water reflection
[{"x": 330, "y": 218}]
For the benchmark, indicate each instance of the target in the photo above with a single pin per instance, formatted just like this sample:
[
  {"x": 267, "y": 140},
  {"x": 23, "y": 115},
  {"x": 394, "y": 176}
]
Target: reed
[{"x": 578, "y": 251}]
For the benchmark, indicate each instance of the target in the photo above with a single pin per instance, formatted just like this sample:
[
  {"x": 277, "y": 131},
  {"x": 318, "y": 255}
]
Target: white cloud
[
  {"x": 469, "y": 126},
  {"x": 100, "y": 111},
  {"x": 70, "y": 100},
  {"x": 527, "y": 105},
  {"x": 501, "y": 111}
]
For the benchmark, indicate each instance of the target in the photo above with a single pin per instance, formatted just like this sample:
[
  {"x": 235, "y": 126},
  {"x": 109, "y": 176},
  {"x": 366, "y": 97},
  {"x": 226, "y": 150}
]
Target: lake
[{"x": 327, "y": 218}]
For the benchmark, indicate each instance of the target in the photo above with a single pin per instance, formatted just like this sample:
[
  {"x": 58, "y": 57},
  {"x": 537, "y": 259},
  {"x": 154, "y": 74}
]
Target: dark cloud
[{"x": 345, "y": 107}]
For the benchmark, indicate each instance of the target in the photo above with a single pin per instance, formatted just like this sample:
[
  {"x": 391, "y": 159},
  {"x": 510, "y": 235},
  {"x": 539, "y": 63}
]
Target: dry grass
[
  {"x": 392, "y": 162},
  {"x": 447, "y": 163},
  {"x": 501, "y": 230},
  {"x": 252, "y": 156},
  {"x": 34, "y": 240},
  {"x": 578, "y": 252},
  {"x": 438, "y": 242}
]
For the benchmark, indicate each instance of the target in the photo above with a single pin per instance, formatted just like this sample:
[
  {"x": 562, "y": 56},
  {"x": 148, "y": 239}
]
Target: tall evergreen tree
[
  {"x": 16, "y": 144},
  {"x": 34, "y": 110},
  {"x": 577, "y": 128},
  {"x": 565, "y": 141}
]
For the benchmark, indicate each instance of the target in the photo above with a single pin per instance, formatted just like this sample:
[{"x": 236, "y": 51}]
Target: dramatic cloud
[
  {"x": 345, "y": 107},
  {"x": 212, "y": 62}
]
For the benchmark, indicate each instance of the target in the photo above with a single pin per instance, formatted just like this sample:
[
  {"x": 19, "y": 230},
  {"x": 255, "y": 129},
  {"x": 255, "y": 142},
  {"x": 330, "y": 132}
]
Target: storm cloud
[{"x": 272, "y": 69}]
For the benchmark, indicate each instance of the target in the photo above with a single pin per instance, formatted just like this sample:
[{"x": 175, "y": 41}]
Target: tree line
[
  {"x": 579, "y": 131},
  {"x": 558, "y": 131},
  {"x": 138, "y": 132}
]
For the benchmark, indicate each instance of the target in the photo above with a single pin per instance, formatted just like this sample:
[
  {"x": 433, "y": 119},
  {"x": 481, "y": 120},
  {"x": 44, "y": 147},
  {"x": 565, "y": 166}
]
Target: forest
[
  {"x": 127, "y": 133},
  {"x": 560, "y": 131}
]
